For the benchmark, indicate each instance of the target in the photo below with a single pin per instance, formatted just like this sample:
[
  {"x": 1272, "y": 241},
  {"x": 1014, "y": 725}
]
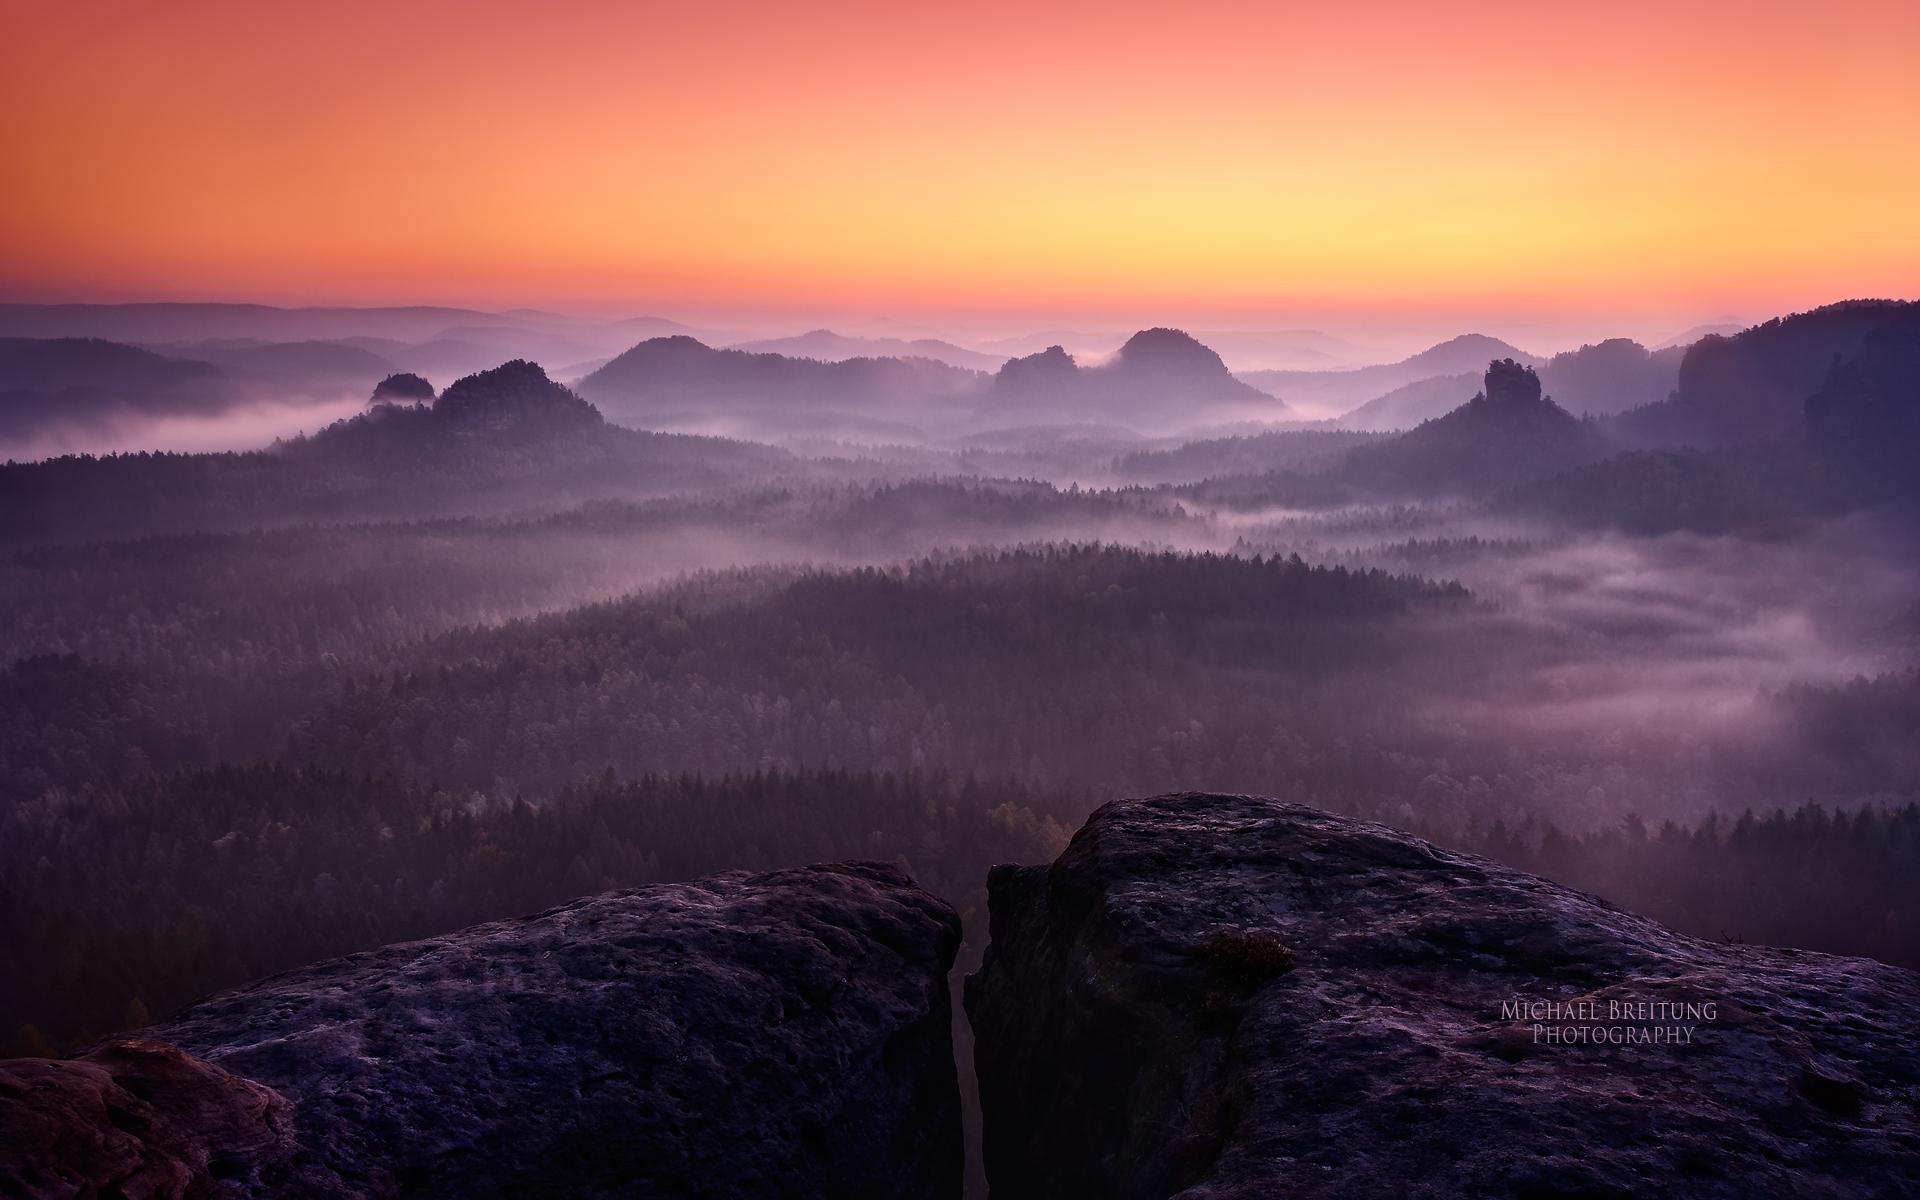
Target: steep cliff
[{"x": 1219, "y": 996}]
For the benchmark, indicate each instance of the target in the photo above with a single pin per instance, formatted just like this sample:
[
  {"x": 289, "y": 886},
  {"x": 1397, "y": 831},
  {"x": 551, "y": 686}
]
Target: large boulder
[
  {"x": 784, "y": 1034},
  {"x": 137, "y": 1119},
  {"x": 1227, "y": 996}
]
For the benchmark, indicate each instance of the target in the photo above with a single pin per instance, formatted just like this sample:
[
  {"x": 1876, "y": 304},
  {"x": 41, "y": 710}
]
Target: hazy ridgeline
[{"x": 476, "y": 651}]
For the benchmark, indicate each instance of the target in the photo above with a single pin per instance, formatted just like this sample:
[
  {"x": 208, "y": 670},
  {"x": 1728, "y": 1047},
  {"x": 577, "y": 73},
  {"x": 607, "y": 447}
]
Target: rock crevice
[{"x": 1225, "y": 996}]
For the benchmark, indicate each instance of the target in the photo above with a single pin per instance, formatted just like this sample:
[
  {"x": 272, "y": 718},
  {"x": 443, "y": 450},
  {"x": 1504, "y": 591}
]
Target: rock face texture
[
  {"x": 135, "y": 1119},
  {"x": 1224, "y": 996},
  {"x": 784, "y": 1034}
]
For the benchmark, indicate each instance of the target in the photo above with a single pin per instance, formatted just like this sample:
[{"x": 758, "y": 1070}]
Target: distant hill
[
  {"x": 437, "y": 358},
  {"x": 1333, "y": 393},
  {"x": 1755, "y": 385},
  {"x": 679, "y": 381},
  {"x": 1508, "y": 434},
  {"x": 1285, "y": 349},
  {"x": 1688, "y": 337},
  {"x": 648, "y": 327},
  {"x": 1611, "y": 376},
  {"x": 436, "y": 341},
  {"x": 517, "y": 397},
  {"x": 54, "y": 383},
  {"x": 1738, "y": 458},
  {"x": 291, "y": 371},
  {"x": 1411, "y": 403},
  {"x": 1595, "y": 380},
  {"x": 505, "y": 440},
  {"x": 828, "y": 346},
  {"x": 512, "y": 405},
  {"x": 1158, "y": 377}
]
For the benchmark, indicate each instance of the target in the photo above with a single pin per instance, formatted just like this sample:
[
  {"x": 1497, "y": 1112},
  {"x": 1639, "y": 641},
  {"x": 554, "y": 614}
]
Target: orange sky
[{"x": 1216, "y": 158}]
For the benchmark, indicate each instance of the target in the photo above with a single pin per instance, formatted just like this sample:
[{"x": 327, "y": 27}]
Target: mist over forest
[{"x": 329, "y": 628}]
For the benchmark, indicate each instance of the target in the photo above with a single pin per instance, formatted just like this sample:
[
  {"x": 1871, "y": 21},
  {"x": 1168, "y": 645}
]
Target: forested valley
[{"x": 464, "y": 656}]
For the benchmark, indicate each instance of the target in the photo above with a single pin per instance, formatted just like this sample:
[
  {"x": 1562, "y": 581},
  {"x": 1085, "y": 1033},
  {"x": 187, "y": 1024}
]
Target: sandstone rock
[
  {"x": 784, "y": 1034},
  {"x": 136, "y": 1119},
  {"x": 402, "y": 388},
  {"x": 1218, "y": 996}
]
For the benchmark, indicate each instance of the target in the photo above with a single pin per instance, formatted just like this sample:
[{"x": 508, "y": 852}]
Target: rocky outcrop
[
  {"x": 1154, "y": 369},
  {"x": 517, "y": 398},
  {"x": 402, "y": 388},
  {"x": 1508, "y": 435},
  {"x": 1221, "y": 996},
  {"x": 1511, "y": 384},
  {"x": 783, "y": 1034},
  {"x": 136, "y": 1119}
]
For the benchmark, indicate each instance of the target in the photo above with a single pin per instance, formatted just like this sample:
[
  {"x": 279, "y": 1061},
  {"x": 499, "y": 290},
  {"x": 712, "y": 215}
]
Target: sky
[{"x": 1223, "y": 162}]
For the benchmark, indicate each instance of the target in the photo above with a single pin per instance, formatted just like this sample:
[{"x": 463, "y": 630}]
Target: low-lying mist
[{"x": 251, "y": 425}]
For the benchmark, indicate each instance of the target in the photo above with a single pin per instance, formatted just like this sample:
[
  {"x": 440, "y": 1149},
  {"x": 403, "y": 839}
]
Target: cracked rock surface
[
  {"x": 137, "y": 1119},
  {"x": 743, "y": 1035},
  {"x": 1215, "y": 996}
]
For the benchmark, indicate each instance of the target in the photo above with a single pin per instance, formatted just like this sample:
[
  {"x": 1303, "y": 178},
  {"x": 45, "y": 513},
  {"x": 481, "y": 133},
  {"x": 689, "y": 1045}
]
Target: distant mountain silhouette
[
  {"x": 1284, "y": 349},
  {"x": 292, "y": 372},
  {"x": 1755, "y": 385},
  {"x": 1510, "y": 433},
  {"x": 1411, "y": 403},
  {"x": 1731, "y": 454},
  {"x": 828, "y": 346},
  {"x": 1157, "y": 374},
  {"x": 1611, "y": 376},
  {"x": 511, "y": 405},
  {"x": 503, "y": 342},
  {"x": 1339, "y": 392},
  {"x": 1607, "y": 377},
  {"x": 46, "y": 384},
  {"x": 438, "y": 358},
  {"x": 649, "y": 327},
  {"x": 504, "y": 440},
  {"x": 1052, "y": 369},
  {"x": 680, "y": 380},
  {"x": 1687, "y": 338}
]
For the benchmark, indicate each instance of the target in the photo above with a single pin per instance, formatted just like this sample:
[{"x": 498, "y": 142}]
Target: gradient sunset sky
[{"x": 1231, "y": 160}]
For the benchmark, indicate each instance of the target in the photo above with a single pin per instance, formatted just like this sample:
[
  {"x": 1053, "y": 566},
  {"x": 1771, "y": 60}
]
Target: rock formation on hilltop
[
  {"x": 1172, "y": 354},
  {"x": 515, "y": 396},
  {"x": 1157, "y": 376},
  {"x": 1508, "y": 434},
  {"x": 1510, "y": 385},
  {"x": 1342, "y": 391},
  {"x": 1227, "y": 996},
  {"x": 1052, "y": 369},
  {"x": 402, "y": 388},
  {"x": 679, "y": 380},
  {"x": 783, "y": 1034}
]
